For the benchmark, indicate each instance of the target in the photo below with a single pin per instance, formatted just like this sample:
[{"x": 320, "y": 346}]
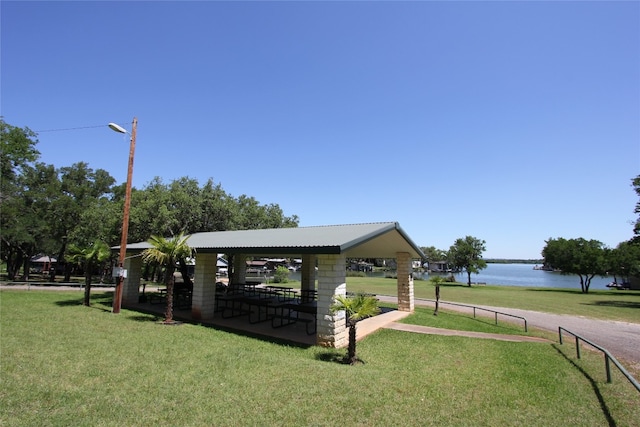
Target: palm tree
[
  {"x": 437, "y": 281},
  {"x": 89, "y": 257},
  {"x": 167, "y": 253},
  {"x": 357, "y": 307}
]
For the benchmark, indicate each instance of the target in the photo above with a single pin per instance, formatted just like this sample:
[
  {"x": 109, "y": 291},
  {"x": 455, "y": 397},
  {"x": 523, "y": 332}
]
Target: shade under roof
[{"x": 371, "y": 240}]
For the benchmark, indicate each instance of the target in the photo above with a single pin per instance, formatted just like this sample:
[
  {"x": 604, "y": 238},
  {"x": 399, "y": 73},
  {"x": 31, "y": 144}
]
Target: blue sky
[{"x": 509, "y": 121}]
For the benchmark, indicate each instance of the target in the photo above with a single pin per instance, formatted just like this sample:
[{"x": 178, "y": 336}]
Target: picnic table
[
  {"x": 283, "y": 305},
  {"x": 182, "y": 296},
  {"x": 289, "y": 312}
]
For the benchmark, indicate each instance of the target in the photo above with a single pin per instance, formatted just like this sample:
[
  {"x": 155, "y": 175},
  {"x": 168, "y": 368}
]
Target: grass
[
  {"x": 65, "y": 364},
  {"x": 600, "y": 304},
  {"x": 448, "y": 319}
]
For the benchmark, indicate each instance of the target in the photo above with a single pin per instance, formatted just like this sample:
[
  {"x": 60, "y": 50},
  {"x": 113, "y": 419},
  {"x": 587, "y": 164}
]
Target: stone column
[
  {"x": 204, "y": 286},
  {"x": 405, "y": 282},
  {"x": 131, "y": 284},
  {"x": 239, "y": 269},
  {"x": 332, "y": 328},
  {"x": 308, "y": 273}
]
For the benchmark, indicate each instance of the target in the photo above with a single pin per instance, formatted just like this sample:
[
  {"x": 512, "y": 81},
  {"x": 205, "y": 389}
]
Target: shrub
[
  {"x": 351, "y": 273},
  {"x": 281, "y": 275}
]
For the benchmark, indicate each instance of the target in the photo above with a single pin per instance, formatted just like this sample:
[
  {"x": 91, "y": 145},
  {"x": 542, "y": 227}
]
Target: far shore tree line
[
  {"x": 74, "y": 213},
  {"x": 582, "y": 257}
]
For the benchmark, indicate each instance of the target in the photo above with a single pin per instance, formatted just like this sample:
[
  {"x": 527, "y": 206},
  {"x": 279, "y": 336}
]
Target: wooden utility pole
[{"x": 117, "y": 298}]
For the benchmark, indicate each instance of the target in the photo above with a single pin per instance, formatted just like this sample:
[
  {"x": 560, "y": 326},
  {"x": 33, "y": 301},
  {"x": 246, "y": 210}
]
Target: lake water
[
  {"x": 517, "y": 275},
  {"x": 525, "y": 275}
]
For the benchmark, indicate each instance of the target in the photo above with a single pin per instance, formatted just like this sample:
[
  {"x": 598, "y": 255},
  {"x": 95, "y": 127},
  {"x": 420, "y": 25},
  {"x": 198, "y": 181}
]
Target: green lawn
[
  {"x": 600, "y": 304},
  {"x": 450, "y": 319},
  {"x": 65, "y": 364}
]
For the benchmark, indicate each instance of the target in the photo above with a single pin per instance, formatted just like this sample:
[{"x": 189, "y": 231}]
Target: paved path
[
  {"x": 454, "y": 333},
  {"x": 622, "y": 339}
]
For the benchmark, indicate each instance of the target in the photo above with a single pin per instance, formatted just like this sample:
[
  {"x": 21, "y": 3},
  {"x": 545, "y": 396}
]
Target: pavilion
[{"x": 323, "y": 249}]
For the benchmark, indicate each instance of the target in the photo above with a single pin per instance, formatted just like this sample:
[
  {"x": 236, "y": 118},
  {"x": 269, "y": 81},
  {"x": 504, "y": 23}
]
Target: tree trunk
[
  {"x": 588, "y": 283},
  {"x": 13, "y": 262},
  {"x": 168, "y": 315},
  {"x": 468, "y": 278},
  {"x": 63, "y": 248},
  {"x": 87, "y": 285},
  {"x": 584, "y": 283},
  {"x": 26, "y": 266},
  {"x": 67, "y": 272},
  {"x": 11, "y": 269},
  {"x": 145, "y": 272},
  {"x": 435, "y": 313},
  {"x": 351, "y": 351}
]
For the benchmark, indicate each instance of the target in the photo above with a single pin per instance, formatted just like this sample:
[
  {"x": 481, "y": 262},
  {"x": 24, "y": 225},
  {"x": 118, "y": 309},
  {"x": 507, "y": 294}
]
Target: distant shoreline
[{"x": 514, "y": 261}]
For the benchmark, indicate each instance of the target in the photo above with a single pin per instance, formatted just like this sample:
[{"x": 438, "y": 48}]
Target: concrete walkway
[
  {"x": 454, "y": 333},
  {"x": 390, "y": 320}
]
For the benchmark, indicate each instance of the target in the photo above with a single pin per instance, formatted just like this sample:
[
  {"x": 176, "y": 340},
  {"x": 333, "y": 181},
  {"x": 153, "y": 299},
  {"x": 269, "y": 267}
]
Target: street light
[{"x": 117, "y": 298}]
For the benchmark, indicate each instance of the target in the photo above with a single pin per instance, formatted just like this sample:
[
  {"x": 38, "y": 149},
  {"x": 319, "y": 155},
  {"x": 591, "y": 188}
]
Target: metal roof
[{"x": 371, "y": 240}]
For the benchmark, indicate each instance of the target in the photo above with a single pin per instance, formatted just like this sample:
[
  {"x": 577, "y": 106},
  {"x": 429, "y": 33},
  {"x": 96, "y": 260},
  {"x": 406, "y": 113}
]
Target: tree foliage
[
  {"x": 185, "y": 205},
  {"x": 46, "y": 208},
  {"x": 357, "y": 307},
  {"x": 17, "y": 152},
  {"x": 585, "y": 258},
  {"x": 21, "y": 224},
  {"x": 467, "y": 254},
  {"x": 80, "y": 188},
  {"x": 281, "y": 275},
  {"x": 433, "y": 254},
  {"x": 89, "y": 257},
  {"x": 168, "y": 252},
  {"x": 624, "y": 260}
]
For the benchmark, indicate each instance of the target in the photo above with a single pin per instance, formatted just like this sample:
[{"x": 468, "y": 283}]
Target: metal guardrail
[
  {"x": 607, "y": 357},
  {"x": 485, "y": 309}
]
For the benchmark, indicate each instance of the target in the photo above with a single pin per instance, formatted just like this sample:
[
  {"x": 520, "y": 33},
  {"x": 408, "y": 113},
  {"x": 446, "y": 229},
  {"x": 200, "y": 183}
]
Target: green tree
[
  {"x": 281, "y": 275},
  {"x": 17, "y": 151},
  {"x": 17, "y": 157},
  {"x": 80, "y": 188},
  {"x": 25, "y": 229},
  {"x": 150, "y": 211},
  {"x": 182, "y": 205},
  {"x": 624, "y": 260},
  {"x": 585, "y": 258},
  {"x": 167, "y": 253},
  {"x": 357, "y": 307},
  {"x": 467, "y": 254},
  {"x": 434, "y": 254},
  {"x": 100, "y": 220},
  {"x": 217, "y": 208},
  {"x": 89, "y": 257},
  {"x": 250, "y": 215}
]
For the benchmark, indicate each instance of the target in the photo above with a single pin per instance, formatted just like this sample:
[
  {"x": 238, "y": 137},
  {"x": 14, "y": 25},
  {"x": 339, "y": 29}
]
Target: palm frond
[
  {"x": 167, "y": 252},
  {"x": 356, "y": 307}
]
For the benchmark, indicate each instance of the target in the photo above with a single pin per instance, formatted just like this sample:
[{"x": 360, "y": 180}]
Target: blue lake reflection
[
  {"x": 525, "y": 275},
  {"x": 515, "y": 275}
]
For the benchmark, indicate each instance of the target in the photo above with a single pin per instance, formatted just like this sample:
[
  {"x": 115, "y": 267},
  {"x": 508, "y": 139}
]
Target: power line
[{"x": 76, "y": 128}]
